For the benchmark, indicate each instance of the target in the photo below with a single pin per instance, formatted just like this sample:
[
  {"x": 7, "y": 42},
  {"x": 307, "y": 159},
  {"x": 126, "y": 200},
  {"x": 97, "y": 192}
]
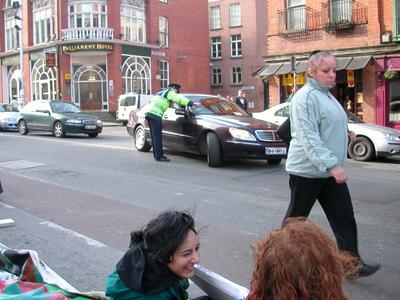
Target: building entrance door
[{"x": 90, "y": 95}]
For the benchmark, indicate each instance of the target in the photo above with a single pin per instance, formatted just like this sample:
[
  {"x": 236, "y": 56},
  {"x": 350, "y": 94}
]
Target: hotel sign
[{"x": 88, "y": 47}]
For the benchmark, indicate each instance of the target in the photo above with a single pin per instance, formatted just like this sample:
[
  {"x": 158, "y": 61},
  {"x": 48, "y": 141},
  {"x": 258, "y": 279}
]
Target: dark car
[
  {"x": 215, "y": 127},
  {"x": 58, "y": 117}
]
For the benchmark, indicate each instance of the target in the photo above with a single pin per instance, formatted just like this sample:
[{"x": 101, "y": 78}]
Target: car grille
[
  {"x": 89, "y": 122},
  {"x": 268, "y": 136}
]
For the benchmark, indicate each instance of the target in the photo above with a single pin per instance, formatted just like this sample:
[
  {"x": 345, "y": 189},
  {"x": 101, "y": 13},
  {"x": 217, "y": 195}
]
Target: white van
[{"x": 128, "y": 102}]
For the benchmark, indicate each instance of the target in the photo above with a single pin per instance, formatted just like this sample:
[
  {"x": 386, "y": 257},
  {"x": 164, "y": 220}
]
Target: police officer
[{"x": 154, "y": 112}]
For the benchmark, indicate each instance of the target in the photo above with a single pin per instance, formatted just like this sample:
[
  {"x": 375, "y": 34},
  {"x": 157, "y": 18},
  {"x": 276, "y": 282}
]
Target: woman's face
[
  {"x": 186, "y": 256},
  {"x": 325, "y": 71}
]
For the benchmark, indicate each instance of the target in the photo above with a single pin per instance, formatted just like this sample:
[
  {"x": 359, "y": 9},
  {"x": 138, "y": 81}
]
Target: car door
[
  {"x": 41, "y": 117},
  {"x": 172, "y": 130}
]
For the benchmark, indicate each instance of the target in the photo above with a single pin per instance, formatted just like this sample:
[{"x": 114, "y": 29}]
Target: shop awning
[
  {"x": 358, "y": 62},
  {"x": 269, "y": 70},
  {"x": 286, "y": 68},
  {"x": 342, "y": 63},
  {"x": 301, "y": 67}
]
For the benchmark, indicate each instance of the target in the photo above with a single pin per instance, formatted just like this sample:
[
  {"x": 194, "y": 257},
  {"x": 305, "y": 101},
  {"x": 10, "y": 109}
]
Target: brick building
[
  {"x": 91, "y": 51},
  {"x": 237, "y": 44},
  {"x": 364, "y": 35}
]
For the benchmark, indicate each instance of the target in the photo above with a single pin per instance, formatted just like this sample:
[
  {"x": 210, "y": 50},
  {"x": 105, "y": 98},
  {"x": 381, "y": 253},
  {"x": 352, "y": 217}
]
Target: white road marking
[
  {"x": 69, "y": 142},
  {"x": 6, "y": 205},
  {"x": 19, "y": 164},
  {"x": 88, "y": 240}
]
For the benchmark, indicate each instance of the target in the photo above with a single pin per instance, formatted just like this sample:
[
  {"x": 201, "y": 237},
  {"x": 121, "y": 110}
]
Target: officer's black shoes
[
  {"x": 163, "y": 158},
  {"x": 368, "y": 270}
]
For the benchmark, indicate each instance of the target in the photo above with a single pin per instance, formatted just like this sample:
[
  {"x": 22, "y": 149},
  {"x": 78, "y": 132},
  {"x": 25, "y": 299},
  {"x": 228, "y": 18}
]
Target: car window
[
  {"x": 42, "y": 106},
  {"x": 64, "y": 107},
  {"x": 2, "y": 109},
  {"x": 130, "y": 101},
  {"x": 30, "y": 107},
  {"x": 283, "y": 112},
  {"x": 218, "y": 106}
]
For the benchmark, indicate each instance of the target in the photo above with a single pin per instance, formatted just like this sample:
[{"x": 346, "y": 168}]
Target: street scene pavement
[{"x": 76, "y": 200}]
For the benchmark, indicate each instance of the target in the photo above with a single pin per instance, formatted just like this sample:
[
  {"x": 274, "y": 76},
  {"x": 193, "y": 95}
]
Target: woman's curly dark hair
[
  {"x": 164, "y": 234},
  {"x": 299, "y": 262}
]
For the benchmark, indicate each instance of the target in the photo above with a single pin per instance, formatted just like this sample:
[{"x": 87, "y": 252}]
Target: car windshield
[
  {"x": 218, "y": 106},
  {"x": 352, "y": 118},
  {"x": 64, "y": 107}
]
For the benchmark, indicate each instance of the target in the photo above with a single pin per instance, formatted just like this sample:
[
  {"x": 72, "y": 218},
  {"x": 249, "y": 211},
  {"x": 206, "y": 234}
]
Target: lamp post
[{"x": 18, "y": 7}]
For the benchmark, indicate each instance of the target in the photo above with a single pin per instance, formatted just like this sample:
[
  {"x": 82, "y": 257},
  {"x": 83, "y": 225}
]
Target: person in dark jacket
[
  {"x": 154, "y": 112},
  {"x": 159, "y": 261},
  {"x": 241, "y": 100}
]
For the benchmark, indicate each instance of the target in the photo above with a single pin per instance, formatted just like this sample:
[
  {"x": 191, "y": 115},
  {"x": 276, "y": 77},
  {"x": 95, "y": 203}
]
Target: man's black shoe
[
  {"x": 163, "y": 158},
  {"x": 368, "y": 270}
]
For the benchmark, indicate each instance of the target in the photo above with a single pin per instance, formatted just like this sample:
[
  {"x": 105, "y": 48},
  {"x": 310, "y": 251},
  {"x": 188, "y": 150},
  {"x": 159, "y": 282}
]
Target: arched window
[
  {"x": 43, "y": 81},
  {"x": 136, "y": 75},
  {"x": 14, "y": 83}
]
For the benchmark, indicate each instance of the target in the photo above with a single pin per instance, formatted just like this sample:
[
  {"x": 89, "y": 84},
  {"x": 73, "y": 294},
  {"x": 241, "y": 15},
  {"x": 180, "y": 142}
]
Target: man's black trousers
[
  {"x": 155, "y": 124},
  {"x": 335, "y": 201}
]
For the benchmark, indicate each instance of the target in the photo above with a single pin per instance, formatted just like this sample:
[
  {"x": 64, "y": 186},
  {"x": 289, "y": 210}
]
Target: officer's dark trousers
[
  {"x": 335, "y": 201},
  {"x": 155, "y": 124}
]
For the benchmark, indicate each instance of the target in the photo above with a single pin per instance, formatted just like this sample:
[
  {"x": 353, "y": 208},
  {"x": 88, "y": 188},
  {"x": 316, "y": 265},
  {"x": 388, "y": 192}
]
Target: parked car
[
  {"x": 58, "y": 117},
  {"x": 128, "y": 102},
  {"x": 8, "y": 118},
  {"x": 215, "y": 127},
  {"x": 372, "y": 141}
]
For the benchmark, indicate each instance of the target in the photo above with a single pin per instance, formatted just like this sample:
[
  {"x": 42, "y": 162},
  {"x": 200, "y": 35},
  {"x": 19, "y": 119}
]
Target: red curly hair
[{"x": 299, "y": 262}]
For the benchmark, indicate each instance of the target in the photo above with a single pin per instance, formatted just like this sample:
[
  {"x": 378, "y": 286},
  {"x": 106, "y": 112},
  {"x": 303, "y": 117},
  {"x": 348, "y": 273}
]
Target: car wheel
[
  {"x": 361, "y": 149},
  {"x": 274, "y": 161},
  {"x": 22, "y": 127},
  {"x": 140, "y": 140},
  {"x": 93, "y": 135},
  {"x": 58, "y": 130},
  {"x": 214, "y": 155}
]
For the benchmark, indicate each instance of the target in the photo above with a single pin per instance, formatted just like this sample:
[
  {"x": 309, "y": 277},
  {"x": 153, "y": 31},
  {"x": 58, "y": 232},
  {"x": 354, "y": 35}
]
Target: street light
[{"x": 18, "y": 6}]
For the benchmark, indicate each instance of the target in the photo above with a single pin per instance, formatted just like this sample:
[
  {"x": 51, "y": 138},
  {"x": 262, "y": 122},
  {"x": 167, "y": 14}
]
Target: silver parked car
[
  {"x": 8, "y": 118},
  {"x": 372, "y": 141}
]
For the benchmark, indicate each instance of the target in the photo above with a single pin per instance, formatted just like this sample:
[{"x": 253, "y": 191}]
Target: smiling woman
[{"x": 159, "y": 261}]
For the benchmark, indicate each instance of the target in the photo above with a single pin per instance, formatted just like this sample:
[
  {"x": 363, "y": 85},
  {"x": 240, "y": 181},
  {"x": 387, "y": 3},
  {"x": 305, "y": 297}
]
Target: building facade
[
  {"x": 364, "y": 35},
  {"x": 237, "y": 44},
  {"x": 91, "y": 51}
]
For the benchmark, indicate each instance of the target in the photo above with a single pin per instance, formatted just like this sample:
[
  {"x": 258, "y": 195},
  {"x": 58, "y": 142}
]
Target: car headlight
[
  {"x": 11, "y": 120},
  {"x": 99, "y": 123},
  {"x": 241, "y": 134},
  {"x": 74, "y": 121},
  {"x": 392, "y": 138}
]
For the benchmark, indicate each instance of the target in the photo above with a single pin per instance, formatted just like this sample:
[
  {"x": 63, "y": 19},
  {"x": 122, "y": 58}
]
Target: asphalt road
[{"x": 75, "y": 201}]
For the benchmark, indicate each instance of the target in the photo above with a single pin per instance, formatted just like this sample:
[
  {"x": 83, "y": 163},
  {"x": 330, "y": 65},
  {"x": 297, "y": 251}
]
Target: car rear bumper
[{"x": 256, "y": 150}]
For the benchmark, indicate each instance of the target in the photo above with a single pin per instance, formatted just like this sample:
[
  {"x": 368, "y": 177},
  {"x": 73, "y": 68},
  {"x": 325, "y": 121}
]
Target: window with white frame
[
  {"x": 296, "y": 15},
  {"x": 236, "y": 75},
  {"x": 234, "y": 15},
  {"x": 236, "y": 45},
  {"x": 43, "y": 28},
  {"x": 216, "y": 47},
  {"x": 133, "y": 21},
  {"x": 215, "y": 17},
  {"x": 163, "y": 31},
  {"x": 397, "y": 20},
  {"x": 43, "y": 81},
  {"x": 341, "y": 10},
  {"x": 216, "y": 76},
  {"x": 164, "y": 73},
  {"x": 86, "y": 15},
  {"x": 12, "y": 34}
]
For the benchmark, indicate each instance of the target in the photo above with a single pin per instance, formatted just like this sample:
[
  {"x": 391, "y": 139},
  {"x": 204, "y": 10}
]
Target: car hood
[
  {"x": 238, "y": 121},
  {"x": 9, "y": 114},
  {"x": 363, "y": 127}
]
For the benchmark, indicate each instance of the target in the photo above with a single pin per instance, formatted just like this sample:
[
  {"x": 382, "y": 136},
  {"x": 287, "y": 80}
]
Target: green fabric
[
  {"x": 159, "y": 104},
  {"x": 116, "y": 289}
]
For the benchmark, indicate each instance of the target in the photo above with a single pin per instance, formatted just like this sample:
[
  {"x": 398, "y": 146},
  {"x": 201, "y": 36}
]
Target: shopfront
[{"x": 388, "y": 90}]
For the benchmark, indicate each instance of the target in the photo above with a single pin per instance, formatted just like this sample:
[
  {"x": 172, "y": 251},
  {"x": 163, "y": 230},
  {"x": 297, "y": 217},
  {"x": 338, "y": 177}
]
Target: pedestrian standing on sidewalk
[
  {"x": 317, "y": 153},
  {"x": 241, "y": 99},
  {"x": 154, "y": 112}
]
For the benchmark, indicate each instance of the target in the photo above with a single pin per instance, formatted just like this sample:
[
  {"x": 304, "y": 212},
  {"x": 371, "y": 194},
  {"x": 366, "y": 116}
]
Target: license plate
[
  {"x": 90, "y": 126},
  {"x": 275, "y": 150}
]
